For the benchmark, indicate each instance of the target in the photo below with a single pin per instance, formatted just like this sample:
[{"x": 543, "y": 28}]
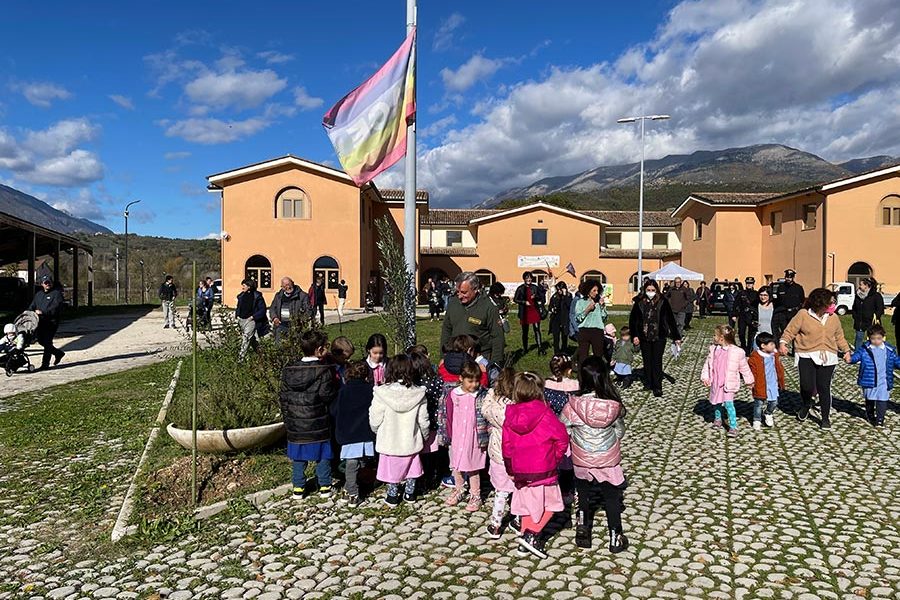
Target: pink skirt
[
  {"x": 396, "y": 469},
  {"x": 431, "y": 443},
  {"x": 500, "y": 479},
  {"x": 535, "y": 501}
]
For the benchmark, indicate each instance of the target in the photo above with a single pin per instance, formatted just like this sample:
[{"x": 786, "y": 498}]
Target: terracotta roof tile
[
  {"x": 616, "y": 218},
  {"x": 448, "y": 251},
  {"x": 395, "y": 194},
  {"x": 629, "y": 218},
  {"x": 748, "y": 198},
  {"x": 454, "y": 216},
  {"x": 648, "y": 253}
]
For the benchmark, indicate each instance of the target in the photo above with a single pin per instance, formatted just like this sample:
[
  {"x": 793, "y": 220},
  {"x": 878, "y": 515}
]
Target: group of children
[
  {"x": 727, "y": 363},
  {"x": 536, "y": 442}
]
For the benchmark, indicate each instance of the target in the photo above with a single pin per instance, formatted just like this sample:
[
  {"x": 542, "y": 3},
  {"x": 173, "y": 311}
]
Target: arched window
[
  {"x": 486, "y": 278},
  {"x": 635, "y": 283},
  {"x": 594, "y": 275},
  {"x": 259, "y": 269},
  {"x": 327, "y": 268},
  {"x": 292, "y": 203},
  {"x": 857, "y": 271},
  {"x": 539, "y": 276},
  {"x": 890, "y": 211}
]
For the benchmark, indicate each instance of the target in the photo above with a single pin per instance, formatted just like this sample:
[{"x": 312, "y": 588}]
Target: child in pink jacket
[
  {"x": 534, "y": 443},
  {"x": 722, "y": 373},
  {"x": 594, "y": 418}
]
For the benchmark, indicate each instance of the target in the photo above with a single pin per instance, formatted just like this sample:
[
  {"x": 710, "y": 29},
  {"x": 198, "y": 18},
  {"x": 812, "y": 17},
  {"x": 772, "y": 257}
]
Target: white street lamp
[{"x": 642, "y": 118}]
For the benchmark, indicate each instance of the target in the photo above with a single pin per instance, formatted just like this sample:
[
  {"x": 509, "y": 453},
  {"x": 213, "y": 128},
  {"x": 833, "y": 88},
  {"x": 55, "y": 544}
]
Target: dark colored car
[
  {"x": 717, "y": 293},
  {"x": 13, "y": 294}
]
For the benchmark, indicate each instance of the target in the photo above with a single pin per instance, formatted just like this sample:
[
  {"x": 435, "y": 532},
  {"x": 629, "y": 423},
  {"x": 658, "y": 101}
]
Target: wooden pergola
[{"x": 21, "y": 240}]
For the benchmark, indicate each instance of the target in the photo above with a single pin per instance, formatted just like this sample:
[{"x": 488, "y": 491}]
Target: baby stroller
[
  {"x": 12, "y": 353},
  {"x": 370, "y": 302},
  {"x": 204, "y": 315}
]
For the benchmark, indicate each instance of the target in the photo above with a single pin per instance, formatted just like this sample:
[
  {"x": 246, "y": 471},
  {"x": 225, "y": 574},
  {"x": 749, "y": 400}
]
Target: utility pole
[
  {"x": 143, "y": 287},
  {"x": 117, "y": 274},
  {"x": 127, "y": 282}
]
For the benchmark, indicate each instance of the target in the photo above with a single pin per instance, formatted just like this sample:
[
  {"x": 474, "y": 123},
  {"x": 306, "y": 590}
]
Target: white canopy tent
[{"x": 672, "y": 270}]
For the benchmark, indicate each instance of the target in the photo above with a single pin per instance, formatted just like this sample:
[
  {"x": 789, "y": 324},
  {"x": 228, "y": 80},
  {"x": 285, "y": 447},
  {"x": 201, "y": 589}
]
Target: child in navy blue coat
[
  {"x": 351, "y": 426},
  {"x": 877, "y": 360}
]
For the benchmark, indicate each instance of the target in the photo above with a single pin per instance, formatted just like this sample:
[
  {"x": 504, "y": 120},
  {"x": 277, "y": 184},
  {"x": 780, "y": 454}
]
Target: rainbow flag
[{"x": 367, "y": 127}]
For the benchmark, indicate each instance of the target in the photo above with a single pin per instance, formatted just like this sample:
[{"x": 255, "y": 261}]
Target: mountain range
[
  {"x": 28, "y": 208},
  {"x": 667, "y": 181}
]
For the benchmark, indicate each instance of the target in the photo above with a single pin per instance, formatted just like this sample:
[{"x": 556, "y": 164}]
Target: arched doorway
[
  {"x": 634, "y": 284},
  {"x": 486, "y": 278},
  {"x": 327, "y": 268},
  {"x": 858, "y": 271},
  {"x": 259, "y": 269},
  {"x": 433, "y": 273},
  {"x": 600, "y": 275}
]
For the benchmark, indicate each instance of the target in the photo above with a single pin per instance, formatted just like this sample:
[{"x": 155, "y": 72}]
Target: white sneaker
[
  {"x": 757, "y": 425},
  {"x": 770, "y": 420}
]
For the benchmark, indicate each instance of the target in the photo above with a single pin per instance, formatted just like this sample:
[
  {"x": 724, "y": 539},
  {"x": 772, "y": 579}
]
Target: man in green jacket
[{"x": 472, "y": 313}]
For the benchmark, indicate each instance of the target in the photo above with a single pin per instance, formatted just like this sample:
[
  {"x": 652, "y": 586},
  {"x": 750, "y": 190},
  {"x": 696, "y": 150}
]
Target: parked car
[
  {"x": 217, "y": 291},
  {"x": 13, "y": 294},
  {"x": 717, "y": 293},
  {"x": 846, "y": 292}
]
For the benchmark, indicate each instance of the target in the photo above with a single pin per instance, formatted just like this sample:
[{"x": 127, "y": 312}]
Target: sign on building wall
[{"x": 538, "y": 262}]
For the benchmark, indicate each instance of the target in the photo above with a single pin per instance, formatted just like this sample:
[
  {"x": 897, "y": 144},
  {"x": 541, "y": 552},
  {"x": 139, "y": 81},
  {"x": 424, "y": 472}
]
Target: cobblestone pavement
[{"x": 788, "y": 512}]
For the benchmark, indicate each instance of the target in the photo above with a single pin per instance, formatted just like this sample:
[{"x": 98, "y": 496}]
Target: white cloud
[
  {"x": 61, "y": 137},
  {"x": 214, "y": 131},
  {"x": 444, "y": 36},
  {"x": 76, "y": 168},
  {"x": 210, "y": 236},
  {"x": 52, "y": 156},
  {"x": 176, "y": 155},
  {"x": 438, "y": 126},
  {"x": 236, "y": 89},
  {"x": 81, "y": 204},
  {"x": 471, "y": 72},
  {"x": 304, "y": 100},
  {"x": 123, "y": 101},
  {"x": 731, "y": 73},
  {"x": 274, "y": 57},
  {"x": 42, "y": 93}
]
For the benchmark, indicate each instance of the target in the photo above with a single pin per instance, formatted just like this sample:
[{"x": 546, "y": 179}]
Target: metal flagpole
[
  {"x": 640, "y": 280},
  {"x": 409, "y": 195},
  {"x": 194, "y": 390}
]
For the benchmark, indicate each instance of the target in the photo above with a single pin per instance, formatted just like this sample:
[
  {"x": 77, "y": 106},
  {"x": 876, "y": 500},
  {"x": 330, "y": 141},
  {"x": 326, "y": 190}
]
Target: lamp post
[
  {"x": 143, "y": 287},
  {"x": 127, "y": 206},
  {"x": 641, "y": 118},
  {"x": 833, "y": 257}
]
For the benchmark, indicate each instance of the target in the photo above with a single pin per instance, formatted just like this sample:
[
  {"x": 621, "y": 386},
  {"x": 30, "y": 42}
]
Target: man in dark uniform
[
  {"x": 745, "y": 308},
  {"x": 789, "y": 302},
  {"x": 48, "y": 305}
]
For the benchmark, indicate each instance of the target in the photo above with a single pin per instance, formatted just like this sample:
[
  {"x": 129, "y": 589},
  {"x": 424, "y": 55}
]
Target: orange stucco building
[
  {"x": 292, "y": 217},
  {"x": 839, "y": 231}
]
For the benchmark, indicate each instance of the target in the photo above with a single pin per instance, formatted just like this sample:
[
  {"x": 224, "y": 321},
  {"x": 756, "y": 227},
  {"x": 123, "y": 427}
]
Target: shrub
[{"x": 234, "y": 393}]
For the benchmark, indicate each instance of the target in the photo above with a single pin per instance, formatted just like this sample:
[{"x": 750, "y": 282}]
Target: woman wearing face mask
[
  {"x": 817, "y": 336},
  {"x": 652, "y": 324},
  {"x": 868, "y": 308}
]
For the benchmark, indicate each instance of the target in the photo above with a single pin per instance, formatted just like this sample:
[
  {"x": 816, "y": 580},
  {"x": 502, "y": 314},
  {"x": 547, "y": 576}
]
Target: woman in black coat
[
  {"x": 560, "y": 306},
  {"x": 868, "y": 308},
  {"x": 652, "y": 323}
]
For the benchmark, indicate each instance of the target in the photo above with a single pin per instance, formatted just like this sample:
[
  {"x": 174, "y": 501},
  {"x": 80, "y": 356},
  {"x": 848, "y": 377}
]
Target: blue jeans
[
  {"x": 281, "y": 330},
  {"x": 323, "y": 473},
  {"x": 758, "y": 410},
  {"x": 859, "y": 339},
  {"x": 727, "y": 407}
]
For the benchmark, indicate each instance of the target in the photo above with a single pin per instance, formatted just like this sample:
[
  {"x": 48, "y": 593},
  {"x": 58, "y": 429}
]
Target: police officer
[
  {"x": 745, "y": 304},
  {"x": 787, "y": 304}
]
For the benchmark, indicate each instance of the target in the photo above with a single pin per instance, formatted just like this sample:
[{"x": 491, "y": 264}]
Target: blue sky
[{"x": 107, "y": 102}]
